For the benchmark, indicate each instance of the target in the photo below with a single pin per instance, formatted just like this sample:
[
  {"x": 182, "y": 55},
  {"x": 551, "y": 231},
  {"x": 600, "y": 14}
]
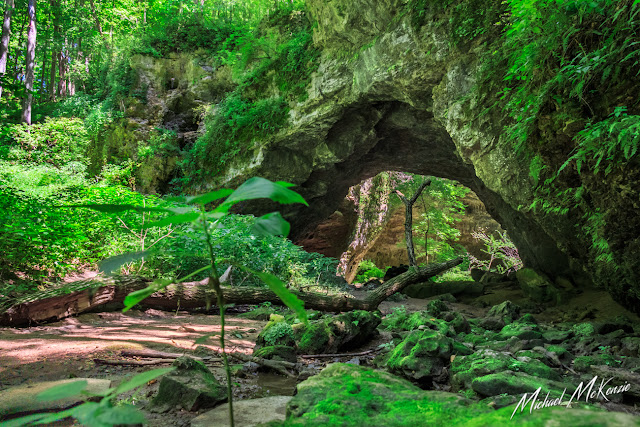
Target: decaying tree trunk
[
  {"x": 408, "y": 222},
  {"x": 109, "y": 292}
]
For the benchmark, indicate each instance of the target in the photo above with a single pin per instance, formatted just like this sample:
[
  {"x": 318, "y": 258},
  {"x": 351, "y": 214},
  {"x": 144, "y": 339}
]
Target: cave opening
[{"x": 382, "y": 136}]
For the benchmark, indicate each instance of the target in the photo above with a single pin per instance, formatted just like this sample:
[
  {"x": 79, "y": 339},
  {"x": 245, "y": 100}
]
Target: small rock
[{"x": 191, "y": 387}]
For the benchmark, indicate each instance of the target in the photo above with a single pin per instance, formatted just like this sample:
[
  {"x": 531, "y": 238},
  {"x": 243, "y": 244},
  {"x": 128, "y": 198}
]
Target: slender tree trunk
[
  {"x": 30, "y": 59},
  {"x": 19, "y": 47},
  {"x": 4, "y": 40},
  {"x": 95, "y": 17},
  {"x": 44, "y": 66},
  {"x": 52, "y": 87},
  {"x": 408, "y": 223},
  {"x": 62, "y": 71}
]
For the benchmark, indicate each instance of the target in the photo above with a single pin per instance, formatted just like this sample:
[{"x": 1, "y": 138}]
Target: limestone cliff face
[
  {"x": 390, "y": 95},
  {"x": 170, "y": 96}
]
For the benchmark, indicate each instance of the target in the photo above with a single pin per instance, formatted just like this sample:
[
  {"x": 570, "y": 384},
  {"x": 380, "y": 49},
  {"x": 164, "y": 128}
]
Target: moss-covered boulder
[
  {"x": 507, "y": 311},
  {"x": 584, "y": 363},
  {"x": 277, "y": 352},
  {"x": 539, "y": 288},
  {"x": 418, "y": 320},
  {"x": 484, "y": 362},
  {"x": 522, "y": 330},
  {"x": 423, "y": 355},
  {"x": 276, "y": 332},
  {"x": 191, "y": 387},
  {"x": 341, "y": 332},
  {"x": 515, "y": 383},
  {"x": 349, "y": 395}
]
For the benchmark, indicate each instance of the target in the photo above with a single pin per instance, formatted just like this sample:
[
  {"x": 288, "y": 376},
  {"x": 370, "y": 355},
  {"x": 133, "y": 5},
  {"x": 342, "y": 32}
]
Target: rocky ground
[{"x": 460, "y": 360}]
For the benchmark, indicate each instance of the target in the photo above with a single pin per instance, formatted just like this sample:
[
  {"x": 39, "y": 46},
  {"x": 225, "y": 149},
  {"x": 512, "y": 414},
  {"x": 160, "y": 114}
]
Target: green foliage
[
  {"x": 558, "y": 54},
  {"x": 186, "y": 33},
  {"x": 504, "y": 256},
  {"x": 93, "y": 414},
  {"x": 467, "y": 20},
  {"x": 56, "y": 141},
  {"x": 252, "y": 112},
  {"x": 434, "y": 231},
  {"x": 231, "y": 128},
  {"x": 368, "y": 270},
  {"x": 39, "y": 243},
  {"x": 607, "y": 143},
  {"x": 277, "y": 332},
  {"x": 163, "y": 143},
  {"x": 253, "y": 188}
]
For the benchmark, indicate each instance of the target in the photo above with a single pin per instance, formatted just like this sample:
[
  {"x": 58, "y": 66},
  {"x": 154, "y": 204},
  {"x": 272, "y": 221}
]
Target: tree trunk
[
  {"x": 30, "y": 59},
  {"x": 408, "y": 223},
  {"x": 44, "y": 66},
  {"x": 19, "y": 46},
  {"x": 4, "y": 40},
  {"x": 52, "y": 87},
  {"x": 108, "y": 292},
  {"x": 62, "y": 70}
]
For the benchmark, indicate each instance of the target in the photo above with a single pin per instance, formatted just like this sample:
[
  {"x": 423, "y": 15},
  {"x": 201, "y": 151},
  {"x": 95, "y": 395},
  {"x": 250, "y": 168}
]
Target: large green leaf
[
  {"x": 135, "y": 297},
  {"x": 23, "y": 421},
  {"x": 142, "y": 379},
  {"x": 113, "y": 264},
  {"x": 122, "y": 414},
  {"x": 280, "y": 289},
  {"x": 260, "y": 188},
  {"x": 111, "y": 208},
  {"x": 62, "y": 391},
  {"x": 271, "y": 224},
  {"x": 175, "y": 219},
  {"x": 203, "y": 199},
  {"x": 51, "y": 418}
]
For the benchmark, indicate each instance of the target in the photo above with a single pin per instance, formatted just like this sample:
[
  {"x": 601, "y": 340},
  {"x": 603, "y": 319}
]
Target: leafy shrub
[
  {"x": 504, "y": 254},
  {"x": 368, "y": 270},
  {"x": 185, "y": 251},
  {"x": 56, "y": 141},
  {"x": 277, "y": 332},
  {"x": 39, "y": 242}
]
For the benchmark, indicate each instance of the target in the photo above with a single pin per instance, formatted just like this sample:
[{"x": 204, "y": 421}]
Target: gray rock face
[{"x": 404, "y": 101}]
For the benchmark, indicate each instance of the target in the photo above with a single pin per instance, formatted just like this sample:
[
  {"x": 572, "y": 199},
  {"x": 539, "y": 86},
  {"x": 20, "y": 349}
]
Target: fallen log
[
  {"x": 132, "y": 362},
  {"x": 102, "y": 293}
]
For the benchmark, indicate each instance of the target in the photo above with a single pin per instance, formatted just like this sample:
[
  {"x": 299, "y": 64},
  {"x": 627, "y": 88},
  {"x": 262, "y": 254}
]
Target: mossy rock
[
  {"x": 349, "y": 395},
  {"x": 341, "y": 332},
  {"x": 522, "y": 331},
  {"x": 191, "y": 387},
  {"x": 436, "y": 307},
  {"x": 516, "y": 383},
  {"x": 276, "y": 332},
  {"x": 413, "y": 321},
  {"x": 484, "y": 362},
  {"x": 277, "y": 352},
  {"x": 584, "y": 363},
  {"x": 506, "y": 310},
  {"x": 423, "y": 355}
]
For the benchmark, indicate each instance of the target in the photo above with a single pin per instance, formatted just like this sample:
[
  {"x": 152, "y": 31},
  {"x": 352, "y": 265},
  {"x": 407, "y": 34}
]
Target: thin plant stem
[{"x": 214, "y": 279}]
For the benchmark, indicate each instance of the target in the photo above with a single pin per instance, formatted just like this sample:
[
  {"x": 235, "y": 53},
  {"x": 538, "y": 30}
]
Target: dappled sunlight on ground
[{"x": 102, "y": 334}]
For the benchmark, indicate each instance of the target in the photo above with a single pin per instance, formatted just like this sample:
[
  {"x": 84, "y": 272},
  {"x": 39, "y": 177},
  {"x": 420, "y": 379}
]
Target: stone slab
[{"x": 246, "y": 413}]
